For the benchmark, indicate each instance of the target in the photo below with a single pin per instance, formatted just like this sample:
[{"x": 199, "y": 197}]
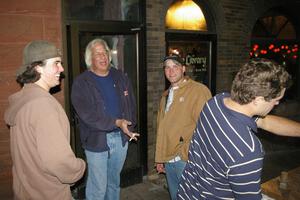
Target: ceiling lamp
[{"x": 185, "y": 15}]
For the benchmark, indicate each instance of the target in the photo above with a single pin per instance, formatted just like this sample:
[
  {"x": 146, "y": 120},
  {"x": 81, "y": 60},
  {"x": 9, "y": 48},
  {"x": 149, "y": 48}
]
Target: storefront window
[
  {"x": 274, "y": 37},
  {"x": 198, "y": 53},
  {"x": 196, "y": 57}
]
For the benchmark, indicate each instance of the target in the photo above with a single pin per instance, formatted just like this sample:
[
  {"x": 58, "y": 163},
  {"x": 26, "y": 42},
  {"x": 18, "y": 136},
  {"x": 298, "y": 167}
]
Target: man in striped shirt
[{"x": 225, "y": 156}]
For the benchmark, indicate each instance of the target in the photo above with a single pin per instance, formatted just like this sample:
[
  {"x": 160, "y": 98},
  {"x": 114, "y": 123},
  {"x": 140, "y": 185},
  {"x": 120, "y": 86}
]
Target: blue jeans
[
  {"x": 104, "y": 168},
  {"x": 173, "y": 172}
]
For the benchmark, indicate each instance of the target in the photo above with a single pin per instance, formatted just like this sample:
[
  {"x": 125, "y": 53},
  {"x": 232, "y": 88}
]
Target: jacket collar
[
  {"x": 90, "y": 79},
  {"x": 185, "y": 81}
]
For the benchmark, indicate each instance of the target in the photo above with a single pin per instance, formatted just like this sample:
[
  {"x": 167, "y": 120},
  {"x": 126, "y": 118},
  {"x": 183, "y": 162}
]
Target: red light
[
  {"x": 263, "y": 51},
  {"x": 271, "y": 46}
]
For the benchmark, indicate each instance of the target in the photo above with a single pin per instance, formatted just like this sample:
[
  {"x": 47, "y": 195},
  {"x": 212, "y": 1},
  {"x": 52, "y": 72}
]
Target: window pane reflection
[
  {"x": 96, "y": 10},
  {"x": 196, "y": 55}
]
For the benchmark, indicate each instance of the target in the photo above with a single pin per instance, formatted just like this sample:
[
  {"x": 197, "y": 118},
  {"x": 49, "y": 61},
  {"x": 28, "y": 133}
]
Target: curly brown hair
[{"x": 259, "y": 77}]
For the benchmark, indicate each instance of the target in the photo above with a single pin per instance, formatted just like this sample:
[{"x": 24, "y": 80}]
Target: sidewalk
[{"x": 155, "y": 189}]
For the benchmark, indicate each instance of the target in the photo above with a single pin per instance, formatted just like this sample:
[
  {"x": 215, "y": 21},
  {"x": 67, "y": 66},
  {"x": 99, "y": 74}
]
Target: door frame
[{"x": 73, "y": 29}]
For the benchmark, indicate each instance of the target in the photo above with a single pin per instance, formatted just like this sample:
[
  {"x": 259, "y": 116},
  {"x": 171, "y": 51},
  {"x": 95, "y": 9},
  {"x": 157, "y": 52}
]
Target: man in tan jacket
[
  {"x": 178, "y": 113},
  {"x": 44, "y": 165}
]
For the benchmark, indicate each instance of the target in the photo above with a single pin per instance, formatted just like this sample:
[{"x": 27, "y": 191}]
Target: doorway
[{"x": 125, "y": 41}]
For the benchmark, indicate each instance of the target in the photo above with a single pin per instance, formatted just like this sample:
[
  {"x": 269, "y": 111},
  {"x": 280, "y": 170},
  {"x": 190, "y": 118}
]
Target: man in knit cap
[{"x": 44, "y": 165}]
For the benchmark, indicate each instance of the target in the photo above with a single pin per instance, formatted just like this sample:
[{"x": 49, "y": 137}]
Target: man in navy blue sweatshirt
[{"x": 105, "y": 104}]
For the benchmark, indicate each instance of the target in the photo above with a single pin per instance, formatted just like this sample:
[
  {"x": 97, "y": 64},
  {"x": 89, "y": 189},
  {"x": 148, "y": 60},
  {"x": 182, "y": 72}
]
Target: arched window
[
  {"x": 276, "y": 27},
  {"x": 185, "y": 15},
  {"x": 274, "y": 37}
]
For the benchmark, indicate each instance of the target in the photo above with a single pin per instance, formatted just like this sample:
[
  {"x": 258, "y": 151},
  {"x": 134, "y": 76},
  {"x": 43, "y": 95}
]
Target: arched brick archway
[{"x": 274, "y": 37}]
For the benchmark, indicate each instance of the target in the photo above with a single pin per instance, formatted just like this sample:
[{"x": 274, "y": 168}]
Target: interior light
[{"x": 185, "y": 15}]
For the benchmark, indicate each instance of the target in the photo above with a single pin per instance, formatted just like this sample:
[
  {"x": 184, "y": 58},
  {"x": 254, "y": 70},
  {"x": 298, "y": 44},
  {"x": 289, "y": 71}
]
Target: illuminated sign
[{"x": 198, "y": 62}]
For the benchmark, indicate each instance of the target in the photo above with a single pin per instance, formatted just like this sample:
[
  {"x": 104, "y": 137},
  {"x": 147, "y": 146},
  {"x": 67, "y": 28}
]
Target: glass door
[
  {"x": 124, "y": 50},
  {"x": 126, "y": 56},
  {"x": 199, "y": 54}
]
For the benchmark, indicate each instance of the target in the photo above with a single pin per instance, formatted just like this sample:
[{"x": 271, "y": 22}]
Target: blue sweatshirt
[{"x": 94, "y": 122}]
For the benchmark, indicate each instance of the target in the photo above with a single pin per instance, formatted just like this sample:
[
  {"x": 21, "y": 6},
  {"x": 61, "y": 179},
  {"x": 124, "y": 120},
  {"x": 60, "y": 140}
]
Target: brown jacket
[
  {"x": 44, "y": 164},
  {"x": 175, "y": 128}
]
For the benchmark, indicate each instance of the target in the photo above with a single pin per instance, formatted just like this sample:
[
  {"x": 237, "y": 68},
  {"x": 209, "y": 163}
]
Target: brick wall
[
  {"x": 22, "y": 21},
  {"x": 155, "y": 19},
  {"x": 234, "y": 31}
]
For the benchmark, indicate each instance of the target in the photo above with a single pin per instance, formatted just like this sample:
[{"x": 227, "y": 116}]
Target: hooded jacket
[
  {"x": 175, "y": 128},
  {"x": 44, "y": 164},
  {"x": 94, "y": 122}
]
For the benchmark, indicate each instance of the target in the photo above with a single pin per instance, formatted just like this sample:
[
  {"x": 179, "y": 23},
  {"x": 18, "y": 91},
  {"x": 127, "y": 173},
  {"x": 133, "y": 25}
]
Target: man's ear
[
  {"x": 258, "y": 100},
  {"x": 183, "y": 68},
  {"x": 39, "y": 69}
]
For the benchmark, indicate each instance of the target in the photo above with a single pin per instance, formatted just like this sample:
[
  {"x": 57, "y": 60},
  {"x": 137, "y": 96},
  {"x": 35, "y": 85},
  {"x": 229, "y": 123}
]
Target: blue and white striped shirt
[{"x": 225, "y": 156}]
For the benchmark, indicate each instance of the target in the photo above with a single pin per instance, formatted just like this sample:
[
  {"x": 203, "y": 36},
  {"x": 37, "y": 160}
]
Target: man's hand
[
  {"x": 123, "y": 124},
  {"x": 160, "y": 168}
]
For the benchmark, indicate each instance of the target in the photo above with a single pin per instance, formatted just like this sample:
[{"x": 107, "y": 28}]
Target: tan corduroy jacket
[{"x": 175, "y": 128}]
